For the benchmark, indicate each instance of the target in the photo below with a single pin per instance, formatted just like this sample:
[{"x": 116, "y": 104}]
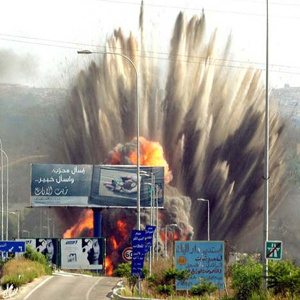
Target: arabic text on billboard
[
  {"x": 203, "y": 260},
  {"x": 95, "y": 186},
  {"x": 60, "y": 185}
]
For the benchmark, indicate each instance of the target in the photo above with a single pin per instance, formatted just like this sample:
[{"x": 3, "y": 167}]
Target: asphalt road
[{"x": 62, "y": 286}]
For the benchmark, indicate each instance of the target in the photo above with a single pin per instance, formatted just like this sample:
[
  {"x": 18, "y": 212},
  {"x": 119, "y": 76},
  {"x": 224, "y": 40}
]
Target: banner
[
  {"x": 203, "y": 260},
  {"x": 138, "y": 251},
  {"x": 85, "y": 254},
  {"x": 149, "y": 230},
  {"x": 96, "y": 185}
]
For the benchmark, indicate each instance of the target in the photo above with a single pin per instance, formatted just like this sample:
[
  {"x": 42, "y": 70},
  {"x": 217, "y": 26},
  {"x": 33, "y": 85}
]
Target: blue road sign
[{"x": 12, "y": 246}]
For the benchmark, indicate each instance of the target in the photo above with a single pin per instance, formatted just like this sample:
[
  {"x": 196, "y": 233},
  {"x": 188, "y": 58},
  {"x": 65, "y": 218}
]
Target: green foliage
[
  {"x": 284, "y": 278},
  {"x": 172, "y": 274},
  {"x": 166, "y": 289},
  {"x": 246, "y": 278},
  {"x": 33, "y": 255},
  {"x": 15, "y": 280},
  {"x": 205, "y": 287},
  {"x": 20, "y": 271},
  {"x": 123, "y": 270}
]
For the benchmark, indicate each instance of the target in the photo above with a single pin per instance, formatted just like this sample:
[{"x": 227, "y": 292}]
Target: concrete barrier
[{"x": 117, "y": 290}]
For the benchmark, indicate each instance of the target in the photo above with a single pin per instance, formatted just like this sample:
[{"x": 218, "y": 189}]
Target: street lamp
[
  {"x": 208, "y": 211},
  {"x": 166, "y": 237},
  {"x": 17, "y": 213},
  {"x": 2, "y": 151},
  {"x": 138, "y": 128}
]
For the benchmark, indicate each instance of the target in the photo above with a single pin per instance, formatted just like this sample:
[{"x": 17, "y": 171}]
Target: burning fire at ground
[{"x": 151, "y": 154}]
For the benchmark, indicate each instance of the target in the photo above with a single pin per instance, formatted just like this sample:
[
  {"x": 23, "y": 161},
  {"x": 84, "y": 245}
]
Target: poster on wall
[
  {"x": 204, "y": 260},
  {"x": 85, "y": 254}
]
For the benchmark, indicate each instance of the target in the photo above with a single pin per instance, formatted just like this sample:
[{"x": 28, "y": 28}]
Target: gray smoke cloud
[
  {"x": 15, "y": 67},
  {"x": 208, "y": 117}
]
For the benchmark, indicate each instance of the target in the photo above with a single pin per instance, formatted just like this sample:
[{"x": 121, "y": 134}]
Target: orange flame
[
  {"x": 114, "y": 243},
  {"x": 108, "y": 266},
  {"x": 152, "y": 154},
  {"x": 85, "y": 222}
]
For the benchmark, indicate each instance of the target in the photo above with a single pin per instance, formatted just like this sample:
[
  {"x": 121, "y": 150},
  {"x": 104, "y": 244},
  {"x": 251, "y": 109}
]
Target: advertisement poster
[
  {"x": 46, "y": 246},
  {"x": 117, "y": 186},
  {"x": 85, "y": 253},
  {"x": 60, "y": 185},
  {"x": 203, "y": 260},
  {"x": 96, "y": 185}
]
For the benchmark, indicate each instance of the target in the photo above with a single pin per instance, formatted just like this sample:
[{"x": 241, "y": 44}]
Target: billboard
[
  {"x": 60, "y": 185},
  {"x": 84, "y": 253},
  {"x": 203, "y": 260},
  {"x": 95, "y": 185},
  {"x": 46, "y": 246}
]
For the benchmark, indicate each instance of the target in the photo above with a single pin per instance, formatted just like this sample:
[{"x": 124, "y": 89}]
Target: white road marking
[
  {"x": 91, "y": 288},
  {"x": 42, "y": 283}
]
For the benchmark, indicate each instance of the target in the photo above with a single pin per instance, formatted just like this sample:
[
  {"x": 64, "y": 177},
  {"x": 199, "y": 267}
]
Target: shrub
[
  {"x": 166, "y": 289},
  {"x": 20, "y": 271},
  {"x": 246, "y": 278},
  {"x": 123, "y": 270},
  {"x": 205, "y": 287},
  {"x": 33, "y": 255},
  {"x": 284, "y": 278}
]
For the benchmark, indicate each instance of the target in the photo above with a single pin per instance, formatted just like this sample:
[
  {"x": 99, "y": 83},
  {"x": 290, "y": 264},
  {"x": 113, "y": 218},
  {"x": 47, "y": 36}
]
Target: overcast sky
[{"x": 39, "y": 39}]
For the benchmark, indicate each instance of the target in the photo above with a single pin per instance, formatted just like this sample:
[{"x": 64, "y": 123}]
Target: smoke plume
[{"x": 208, "y": 117}]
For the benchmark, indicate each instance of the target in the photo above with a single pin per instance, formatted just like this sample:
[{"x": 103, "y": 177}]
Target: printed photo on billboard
[
  {"x": 117, "y": 186},
  {"x": 60, "y": 185},
  {"x": 85, "y": 253},
  {"x": 46, "y": 246}
]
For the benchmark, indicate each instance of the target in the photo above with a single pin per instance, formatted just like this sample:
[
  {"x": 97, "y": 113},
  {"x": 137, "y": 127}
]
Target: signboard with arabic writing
[
  {"x": 60, "y": 185},
  {"x": 204, "y": 260},
  {"x": 138, "y": 251},
  {"x": 95, "y": 185}
]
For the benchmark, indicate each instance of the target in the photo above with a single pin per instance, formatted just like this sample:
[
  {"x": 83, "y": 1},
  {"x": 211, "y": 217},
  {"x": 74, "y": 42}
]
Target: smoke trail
[{"x": 208, "y": 117}]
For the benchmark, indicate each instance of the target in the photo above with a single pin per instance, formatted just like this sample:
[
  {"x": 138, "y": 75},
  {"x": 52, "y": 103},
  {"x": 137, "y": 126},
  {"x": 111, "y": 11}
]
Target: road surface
[{"x": 68, "y": 286}]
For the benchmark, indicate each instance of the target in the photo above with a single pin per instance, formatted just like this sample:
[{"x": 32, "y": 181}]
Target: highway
[{"x": 68, "y": 286}]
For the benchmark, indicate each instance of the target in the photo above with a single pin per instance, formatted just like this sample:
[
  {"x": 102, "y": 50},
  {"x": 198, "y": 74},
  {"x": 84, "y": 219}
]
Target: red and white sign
[{"x": 127, "y": 254}]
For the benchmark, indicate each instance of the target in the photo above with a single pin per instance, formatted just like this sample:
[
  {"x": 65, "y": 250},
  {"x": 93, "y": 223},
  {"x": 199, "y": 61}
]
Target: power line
[
  {"x": 206, "y": 10},
  {"x": 178, "y": 60},
  {"x": 121, "y": 49}
]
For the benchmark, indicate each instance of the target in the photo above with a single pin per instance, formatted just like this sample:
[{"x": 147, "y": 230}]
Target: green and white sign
[{"x": 273, "y": 250}]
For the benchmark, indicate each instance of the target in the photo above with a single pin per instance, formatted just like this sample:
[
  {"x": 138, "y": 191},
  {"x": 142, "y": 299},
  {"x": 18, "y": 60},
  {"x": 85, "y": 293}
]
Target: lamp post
[
  {"x": 138, "y": 128},
  {"x": 208, "y": 212},
  {"x": 17, "y": 213},
  {"x": 166, "y": 237},
  {"x": 1, "y": 154},
  {"x": 266, "y": 155},
  {"x": 6, "y": 192}
]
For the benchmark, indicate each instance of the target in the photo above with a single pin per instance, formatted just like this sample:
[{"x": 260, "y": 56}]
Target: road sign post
[
  {"x": 273, "y": 250},
  {"x": 12, "y": 246}
]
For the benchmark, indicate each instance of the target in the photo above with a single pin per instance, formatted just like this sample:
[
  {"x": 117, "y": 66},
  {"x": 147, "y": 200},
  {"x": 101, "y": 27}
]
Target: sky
[{"x": 39, "y": 39}]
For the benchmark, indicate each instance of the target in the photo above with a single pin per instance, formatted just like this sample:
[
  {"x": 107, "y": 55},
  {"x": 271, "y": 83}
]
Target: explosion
[{"x": 208, "y": 117}]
